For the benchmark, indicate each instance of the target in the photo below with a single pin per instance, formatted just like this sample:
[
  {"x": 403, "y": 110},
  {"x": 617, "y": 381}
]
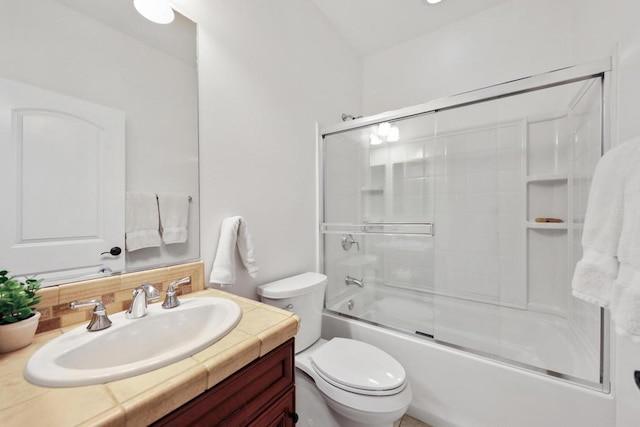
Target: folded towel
[
  {"x": 608, "y": 273},
  {"x": 174, "y": 217},
  {"x": 141, "y": 221},
  {"x": 234, "y": 231}
]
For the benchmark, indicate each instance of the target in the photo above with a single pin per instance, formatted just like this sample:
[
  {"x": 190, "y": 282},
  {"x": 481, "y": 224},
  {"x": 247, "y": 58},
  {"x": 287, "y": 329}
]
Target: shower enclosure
[{"x": 460, "y": 221}]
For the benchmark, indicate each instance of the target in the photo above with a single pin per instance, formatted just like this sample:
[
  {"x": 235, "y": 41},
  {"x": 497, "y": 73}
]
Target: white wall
[
  {"x": 268, "y": 70},
  {"x": 512, "y": 40}
]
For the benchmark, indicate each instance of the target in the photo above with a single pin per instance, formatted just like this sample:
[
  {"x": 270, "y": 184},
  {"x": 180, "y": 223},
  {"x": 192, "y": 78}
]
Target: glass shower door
[
  {"x": 377, "y": 223},
  {"x": 512, "y": 176}
]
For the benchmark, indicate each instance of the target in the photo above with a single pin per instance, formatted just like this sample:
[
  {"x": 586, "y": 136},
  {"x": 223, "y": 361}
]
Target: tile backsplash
[{"x": 115, "y": 292}]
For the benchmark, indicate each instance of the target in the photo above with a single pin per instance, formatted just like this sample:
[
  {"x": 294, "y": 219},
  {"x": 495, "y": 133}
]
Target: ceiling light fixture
[
  {"x": 375, "y": 139},
  {"x": 158, "y": 11},
  {"x": 383, "y": 129},
  {"x": 384, "y": 132},
  {"x": 432, "y": 1}
]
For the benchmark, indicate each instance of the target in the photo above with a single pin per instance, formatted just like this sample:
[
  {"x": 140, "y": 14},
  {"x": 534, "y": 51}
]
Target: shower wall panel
[{"x": 478, "y": 172}]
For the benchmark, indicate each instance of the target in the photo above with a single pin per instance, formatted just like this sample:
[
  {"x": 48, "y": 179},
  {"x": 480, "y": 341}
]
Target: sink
[{"x": 132, "y": 346}]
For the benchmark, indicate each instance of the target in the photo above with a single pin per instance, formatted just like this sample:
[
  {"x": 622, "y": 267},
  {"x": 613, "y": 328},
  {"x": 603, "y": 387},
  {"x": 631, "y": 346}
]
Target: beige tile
[
  {"x": 195, "y": 270},
  {"x": 48, "y": 296},
  {"x": 15, "y": 389},
  {"x": 83, "y": 291},
  {"x": 279, "y": 333},
  {"x": 224, "y": 364},
  {"x": 246, "y": 305},
  {"x": 114, "y": 417},
  {"x": 124, "y": 295},
  {"x": 73, "y": 319},
  {"x": 232, "y": 339},
  {"x": 156, "y": 277},
  {"x": 165, "y": 397},
  {"x": 210, "y": 292},
  {"x": 17, "y": 360},
  {"x": 259, "y": 320},
  {"x": 128, "y": 388},
  {"x": 60, "y": 407}
]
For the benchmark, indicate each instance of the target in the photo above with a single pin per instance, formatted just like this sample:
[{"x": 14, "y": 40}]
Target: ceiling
[{"x": 373, "y": 25}]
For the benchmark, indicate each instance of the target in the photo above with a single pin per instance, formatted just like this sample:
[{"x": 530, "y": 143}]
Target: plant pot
[{"x": 19, "y": 334}]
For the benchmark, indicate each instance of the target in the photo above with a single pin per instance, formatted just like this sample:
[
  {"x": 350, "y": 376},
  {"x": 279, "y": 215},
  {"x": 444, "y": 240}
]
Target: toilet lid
[{"x": 358, "y": 366}]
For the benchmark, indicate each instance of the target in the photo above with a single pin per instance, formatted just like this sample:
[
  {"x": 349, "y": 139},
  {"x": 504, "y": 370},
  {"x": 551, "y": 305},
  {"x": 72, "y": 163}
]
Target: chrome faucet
[
  {"x": 142, "y": 295},
  {"x": 353, "y": 281},
  {"x": 171, "y": 300},
  {"x": 99, "y": 319}
]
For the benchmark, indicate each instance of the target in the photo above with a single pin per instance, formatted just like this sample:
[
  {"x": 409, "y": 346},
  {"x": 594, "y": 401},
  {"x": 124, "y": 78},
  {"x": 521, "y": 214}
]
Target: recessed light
[{"x": 432, "y": 1}]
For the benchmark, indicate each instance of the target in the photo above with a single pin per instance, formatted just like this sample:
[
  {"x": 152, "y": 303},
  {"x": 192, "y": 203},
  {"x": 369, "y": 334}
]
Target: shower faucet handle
[{"x": 348, "y": 241}]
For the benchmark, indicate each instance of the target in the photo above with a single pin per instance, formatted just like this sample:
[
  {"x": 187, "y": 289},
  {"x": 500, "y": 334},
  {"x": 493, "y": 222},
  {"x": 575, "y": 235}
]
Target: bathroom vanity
[
  {"x": 260, "y": 394},
  {"x": 245, "y": 378}
]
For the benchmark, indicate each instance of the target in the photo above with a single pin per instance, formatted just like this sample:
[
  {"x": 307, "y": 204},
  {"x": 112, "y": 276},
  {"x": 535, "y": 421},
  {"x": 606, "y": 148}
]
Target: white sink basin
[{"x": 132, "y": 346}]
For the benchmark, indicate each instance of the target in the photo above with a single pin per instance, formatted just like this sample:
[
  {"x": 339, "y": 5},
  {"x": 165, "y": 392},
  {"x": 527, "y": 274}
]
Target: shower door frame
[{"x": 597, "y": 69}]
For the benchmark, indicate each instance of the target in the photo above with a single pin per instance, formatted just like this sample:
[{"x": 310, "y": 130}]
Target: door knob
[{"x": 115, "y": 251}]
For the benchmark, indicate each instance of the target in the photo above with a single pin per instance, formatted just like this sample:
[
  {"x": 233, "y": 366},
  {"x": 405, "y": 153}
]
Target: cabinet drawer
[{"x": 243, "y": 396}]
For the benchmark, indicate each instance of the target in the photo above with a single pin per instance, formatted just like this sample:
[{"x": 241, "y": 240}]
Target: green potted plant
[{"x": 18, "y": 316}]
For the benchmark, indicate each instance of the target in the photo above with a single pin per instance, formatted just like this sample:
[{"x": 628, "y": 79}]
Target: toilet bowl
[{"x": 360, "y": 384}]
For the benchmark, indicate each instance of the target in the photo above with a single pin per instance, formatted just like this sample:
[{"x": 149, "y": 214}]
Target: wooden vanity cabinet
[{"x": 262, "y": 394}]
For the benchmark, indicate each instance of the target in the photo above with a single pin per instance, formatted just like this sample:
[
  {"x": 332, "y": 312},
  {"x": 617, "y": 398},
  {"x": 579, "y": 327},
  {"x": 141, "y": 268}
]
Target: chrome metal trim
[
  {"x": 569, "y": 379},
  {"x": 320, "y": 198},
  {"x": 605, "y": 350},
  {"x": 514, "y": 87},
  {"x": 388, "y": 228}
]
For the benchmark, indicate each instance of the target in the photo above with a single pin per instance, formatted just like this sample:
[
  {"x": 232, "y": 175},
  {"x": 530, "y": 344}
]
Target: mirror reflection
[{"x": 97, "y": 106}]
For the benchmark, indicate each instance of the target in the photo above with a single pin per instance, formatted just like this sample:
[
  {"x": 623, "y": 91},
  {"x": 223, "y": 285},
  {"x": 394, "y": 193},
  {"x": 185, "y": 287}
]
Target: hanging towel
[
  {"x": 141, "y": 221},
  {"x": 174, "y": 217},
  {"x": 233, "y": 232},
  {"x": 609, "y": 272}
]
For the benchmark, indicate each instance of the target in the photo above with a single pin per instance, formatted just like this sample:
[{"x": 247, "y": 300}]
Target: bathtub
[{"x": 453, "y": 387}]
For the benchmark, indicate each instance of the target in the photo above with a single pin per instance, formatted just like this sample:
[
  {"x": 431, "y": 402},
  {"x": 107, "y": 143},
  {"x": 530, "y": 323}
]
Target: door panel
[{"x": 63, "y": 182}]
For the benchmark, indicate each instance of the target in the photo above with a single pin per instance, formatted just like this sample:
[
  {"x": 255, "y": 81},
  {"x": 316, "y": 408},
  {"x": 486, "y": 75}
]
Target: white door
[{"x": 62, "y": 184}]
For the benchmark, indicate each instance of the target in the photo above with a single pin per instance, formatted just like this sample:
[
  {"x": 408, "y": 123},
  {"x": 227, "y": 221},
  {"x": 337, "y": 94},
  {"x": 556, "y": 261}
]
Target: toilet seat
[
  {"x": 345, "y": 401},
  {"x": 358, "y": 367}
]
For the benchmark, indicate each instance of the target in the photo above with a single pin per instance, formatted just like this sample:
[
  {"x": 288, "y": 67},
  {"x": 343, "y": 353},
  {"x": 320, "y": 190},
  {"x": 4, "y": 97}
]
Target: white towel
[
  {"x": 609, "y": 272},
  {"x": 141, "y": 221},
  {"x": 174, "y": 217},
  {"x": 234, "y": 231}
]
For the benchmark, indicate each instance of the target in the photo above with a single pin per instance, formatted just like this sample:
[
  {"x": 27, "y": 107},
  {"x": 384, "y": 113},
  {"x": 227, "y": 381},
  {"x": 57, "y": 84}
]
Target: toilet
[{"x": 340, "y": 382}]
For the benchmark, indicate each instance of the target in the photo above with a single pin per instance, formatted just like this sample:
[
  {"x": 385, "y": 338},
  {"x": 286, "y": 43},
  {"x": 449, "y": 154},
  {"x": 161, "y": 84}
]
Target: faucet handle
[
  {"x": 171, "y": 300},
  {"x": 99, "y": 319},
  {"x": 153, "y": 294}
]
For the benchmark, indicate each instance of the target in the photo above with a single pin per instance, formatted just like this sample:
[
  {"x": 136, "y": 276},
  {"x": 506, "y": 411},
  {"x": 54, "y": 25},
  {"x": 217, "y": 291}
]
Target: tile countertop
[{"x": 140, "y": 400}]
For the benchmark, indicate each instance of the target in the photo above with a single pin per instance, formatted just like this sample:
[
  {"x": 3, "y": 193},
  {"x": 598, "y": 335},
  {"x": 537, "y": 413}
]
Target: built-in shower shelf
[
  {"x": 547, "y": 225},
  {"x": 547, "y": 178}
]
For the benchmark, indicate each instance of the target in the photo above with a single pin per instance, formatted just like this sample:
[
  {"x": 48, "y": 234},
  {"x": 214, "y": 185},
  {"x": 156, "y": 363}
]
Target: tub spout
[{"x": 353, "y": 281}]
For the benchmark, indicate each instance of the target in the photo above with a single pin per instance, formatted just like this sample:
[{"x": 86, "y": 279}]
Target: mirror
[{"x": 103, "y": 55}]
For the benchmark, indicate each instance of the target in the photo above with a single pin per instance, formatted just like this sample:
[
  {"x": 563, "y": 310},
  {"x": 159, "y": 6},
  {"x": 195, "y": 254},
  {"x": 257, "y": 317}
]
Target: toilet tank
[{"x": 303, "y": 295}]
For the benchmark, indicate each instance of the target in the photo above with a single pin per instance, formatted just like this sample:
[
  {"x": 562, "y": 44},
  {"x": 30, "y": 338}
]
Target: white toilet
[{"x": 359, "y": 384}]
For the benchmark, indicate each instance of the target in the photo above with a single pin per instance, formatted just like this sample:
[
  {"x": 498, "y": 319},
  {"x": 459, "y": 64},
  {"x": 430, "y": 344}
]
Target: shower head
[{"x": 346, "y": 117}]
